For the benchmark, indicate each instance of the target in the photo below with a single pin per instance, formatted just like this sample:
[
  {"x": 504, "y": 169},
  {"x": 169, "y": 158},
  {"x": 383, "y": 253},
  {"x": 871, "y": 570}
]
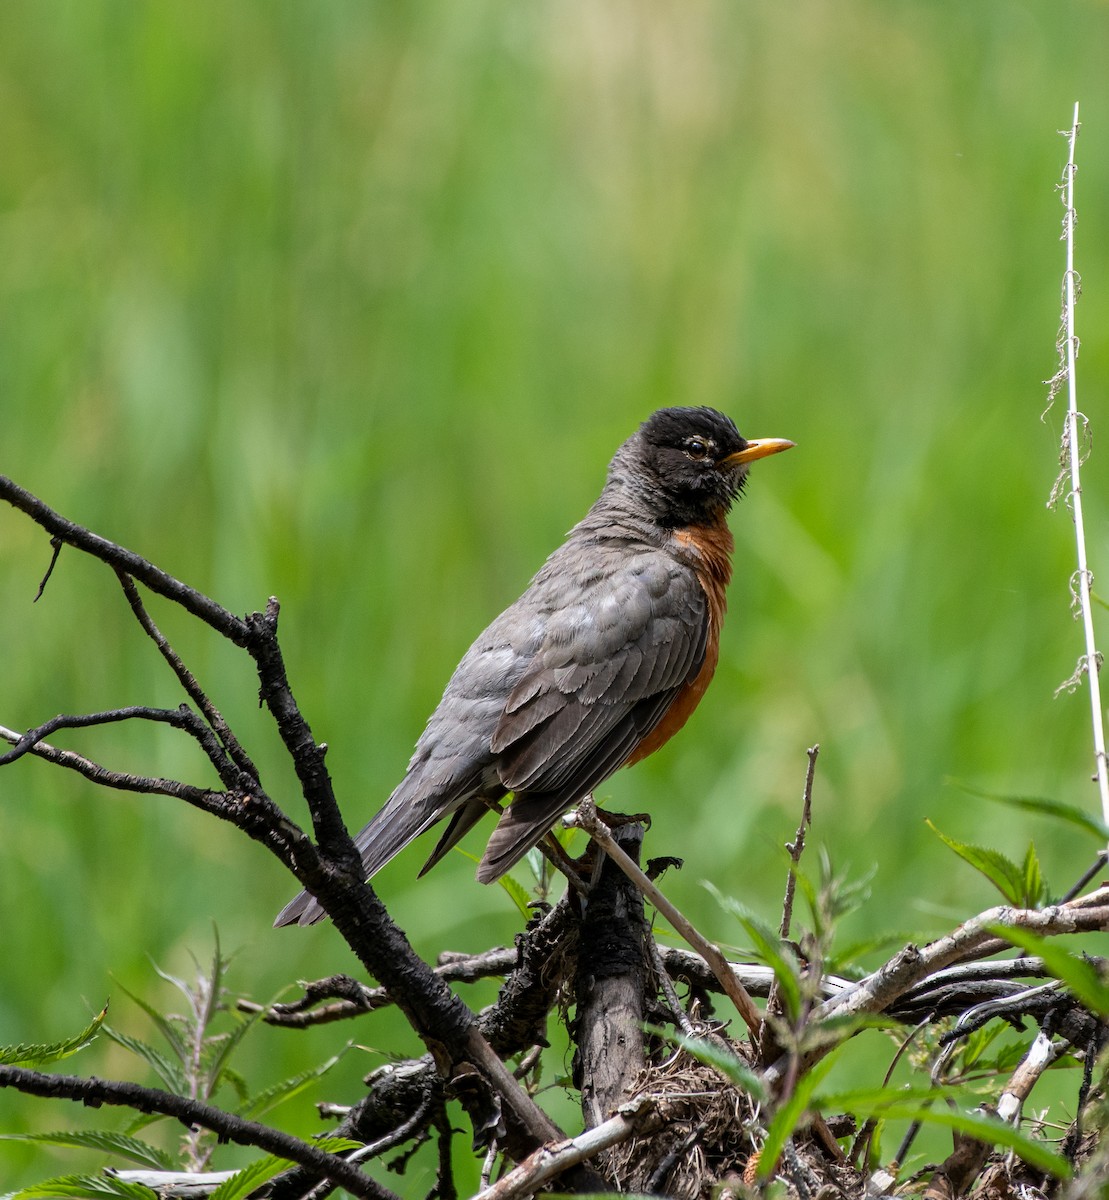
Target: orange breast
[{"x": 708, "y": 550}]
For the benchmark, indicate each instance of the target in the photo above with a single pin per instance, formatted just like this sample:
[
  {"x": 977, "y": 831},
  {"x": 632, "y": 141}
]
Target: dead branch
[
  {"x": 610, "y": 987},
  {"x": 549, "y": 1162},
  {"x": 96, "y": 1092},
  {"x": 733, "y": 989},
  {"x": 330, "y": 868}
]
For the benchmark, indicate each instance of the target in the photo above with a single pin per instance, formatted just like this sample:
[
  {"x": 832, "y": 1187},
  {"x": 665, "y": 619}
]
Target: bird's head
[{"x": 687, "y": 465}]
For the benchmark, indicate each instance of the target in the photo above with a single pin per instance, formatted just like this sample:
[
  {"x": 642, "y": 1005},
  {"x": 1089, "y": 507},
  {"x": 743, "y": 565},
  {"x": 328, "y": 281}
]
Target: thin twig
[
  {"x": 797, "y": 846},
  {"x": 733, "y": 989},
  {"x": 186, "y": 678},
  {"x": 63, "y": 530},
  {"x": 56, "y": 546}
]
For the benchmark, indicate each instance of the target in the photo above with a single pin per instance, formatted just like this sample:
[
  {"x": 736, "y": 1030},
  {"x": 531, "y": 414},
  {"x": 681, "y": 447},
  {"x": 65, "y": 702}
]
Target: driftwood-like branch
[
  {"x": 546, "y": 1164},
  {"x": 971, "y": 940}
]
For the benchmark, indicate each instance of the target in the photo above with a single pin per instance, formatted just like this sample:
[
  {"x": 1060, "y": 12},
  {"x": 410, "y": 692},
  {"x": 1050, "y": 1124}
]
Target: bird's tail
[
  {"x": 401, "y": 819},
  {"x": 522, "y": 825}
]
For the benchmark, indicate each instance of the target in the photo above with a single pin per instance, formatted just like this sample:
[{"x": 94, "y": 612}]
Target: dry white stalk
[
  {"x": 1075, "y": 433},
  {"x": 1041, "y": 1054},
  {"x": 551, "y": 1160}
]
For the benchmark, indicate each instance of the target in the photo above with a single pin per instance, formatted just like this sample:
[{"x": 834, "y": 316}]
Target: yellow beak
[{"x": 757, "y": 449}]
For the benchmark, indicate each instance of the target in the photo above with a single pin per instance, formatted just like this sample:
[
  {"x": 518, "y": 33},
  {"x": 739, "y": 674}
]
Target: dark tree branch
[
  {"x": 253, "y": 813},
  {"x": 179, "y": 718},
  {"x": 333, "y": 870},
  {"x": 157, "y": 580},
  {"x": 56, "y": 547},
  {"x": 188, "y": 681},
  {"x": 97, "y": 1092}
]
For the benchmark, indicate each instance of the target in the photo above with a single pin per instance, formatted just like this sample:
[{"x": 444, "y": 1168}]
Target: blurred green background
[{"x": 350, "y": 303}]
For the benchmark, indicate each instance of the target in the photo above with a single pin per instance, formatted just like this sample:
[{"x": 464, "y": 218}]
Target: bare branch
[
  {"x": 972, "y": 939},
  {"x": 733, "y": 989},
  {"x": 188, "y": 681},
  {"x": 97, "y": 1092},
  {"x": 797, "y": 846},
  {"x": 157, "y": 580},
  {"x": 548, "y": 1162}
]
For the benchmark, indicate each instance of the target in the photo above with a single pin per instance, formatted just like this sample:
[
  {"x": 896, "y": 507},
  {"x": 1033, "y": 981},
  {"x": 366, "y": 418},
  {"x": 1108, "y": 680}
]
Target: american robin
[{"x": 598, "y": 664}]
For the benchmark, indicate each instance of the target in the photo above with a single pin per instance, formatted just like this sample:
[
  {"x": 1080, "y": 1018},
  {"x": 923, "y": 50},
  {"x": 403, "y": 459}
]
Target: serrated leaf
[
  {"x": 1045, "y": 807},
  {"x": 245, "y": 1182},
  {"x": 269, "y": 1099},
  {"x": 166, "y": 1070},
  {"x": 1080, "y": 976},
  {"x": 29, "y": 1054},
  {"x": 237, "y": 1082},
  {"x": 165, "y": 1028},
  {"x": 104, "y": 1141},
  {"x": 731, "y": 1066},
  {"x": 84, "y": 1187},
  {"x": 767, "y": 946},
  {"x": 518, "y": 894},
  {"x": 249, "y": 1179},
  {"x": 1002, "y": 872},
  {"x": 1033, "y": 877},
  {"x": 219, "y": 1067}
]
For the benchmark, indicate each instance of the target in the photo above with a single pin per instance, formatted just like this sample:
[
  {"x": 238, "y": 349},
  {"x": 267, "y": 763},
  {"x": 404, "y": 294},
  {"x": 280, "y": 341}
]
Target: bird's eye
[{"x": 697, "y": 449}]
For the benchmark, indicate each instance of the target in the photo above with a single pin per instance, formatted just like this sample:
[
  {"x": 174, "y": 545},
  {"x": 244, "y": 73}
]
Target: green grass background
[{"x": 350, "y": 303}]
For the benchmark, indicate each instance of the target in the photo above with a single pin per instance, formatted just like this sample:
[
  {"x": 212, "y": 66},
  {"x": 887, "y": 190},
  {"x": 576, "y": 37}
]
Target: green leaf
[
  {"x": 1081, "y": 977},
  {"x": 1046, "y": 807},
  {"x": 103, "y": 1141},
  {"x": 730, "y": 1065},
  {"x": 767, "y": 946},
  {"x": 1034, "y": 890},
  {"x": 220, "y": 1064},
  {"x": 874, "y": 1102},
  {"x": 978, "y": 1125},
  {"x": 518, "y": 894},
  {"x": 167, "y": 1071},
  {"x": 978, "y": 1042},
  {"x": 165, "y": 1028},
  {"x": 789, "y": 1114},
  {"x": 269, "y": 1099},
  {"x": 1002, "y": 872},
  {"x": 249, "y": 1179},
  {"x": 84, "y": 1187},
  {"x": 28, "y": 1054}
]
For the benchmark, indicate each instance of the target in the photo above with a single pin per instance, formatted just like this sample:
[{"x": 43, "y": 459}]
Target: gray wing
[
  {"x": 615, "y": 653},
  {"x": 551, "y": 699}
]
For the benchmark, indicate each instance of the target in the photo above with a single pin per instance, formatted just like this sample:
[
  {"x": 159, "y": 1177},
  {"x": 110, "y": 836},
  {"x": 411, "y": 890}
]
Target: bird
[{"x": 598, "y": 664}]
